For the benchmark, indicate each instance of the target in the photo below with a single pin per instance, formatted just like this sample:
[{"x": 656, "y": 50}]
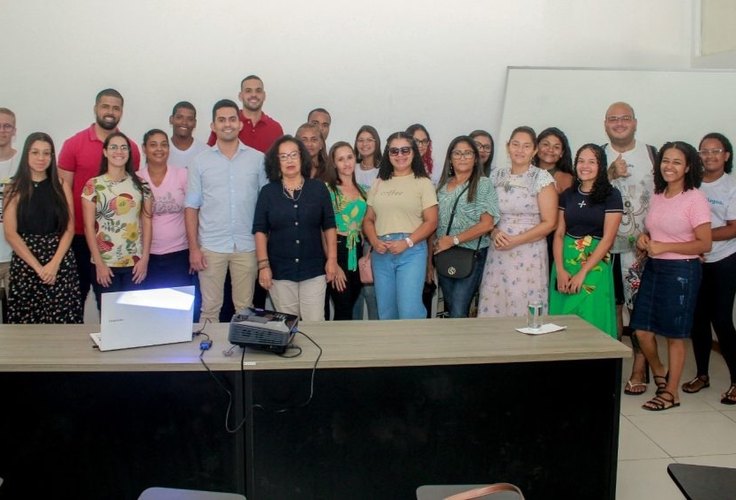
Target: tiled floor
[{"x": 701, "y": 431}]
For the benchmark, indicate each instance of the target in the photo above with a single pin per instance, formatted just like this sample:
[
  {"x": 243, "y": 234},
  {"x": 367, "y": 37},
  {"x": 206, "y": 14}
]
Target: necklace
[{"x": 289, "y": 192}]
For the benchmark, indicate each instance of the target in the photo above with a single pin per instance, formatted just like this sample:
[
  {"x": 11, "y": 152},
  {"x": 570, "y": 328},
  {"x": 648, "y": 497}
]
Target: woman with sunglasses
[
  {"x": 516, "y": 269},
  {"x": 467, "y": 209},
  {"x": 401, "y": 215},
  {"x": 117, "y": 210},
  {"x": 39, "y": 227},
  {"x": 718, "y": 288}
]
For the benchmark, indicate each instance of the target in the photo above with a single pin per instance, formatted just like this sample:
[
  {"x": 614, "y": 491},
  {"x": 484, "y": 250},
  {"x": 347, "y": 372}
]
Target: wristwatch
[
  {"x": 455, "y": 240},
  {"x": 409, "y": 243}
]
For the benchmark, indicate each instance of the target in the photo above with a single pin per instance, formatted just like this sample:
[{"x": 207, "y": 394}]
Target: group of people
[{"x": 614, "y": 234}]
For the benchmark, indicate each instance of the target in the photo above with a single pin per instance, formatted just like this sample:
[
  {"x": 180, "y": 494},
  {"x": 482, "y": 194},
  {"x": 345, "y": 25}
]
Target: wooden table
[{"x": 396, "y": 404}]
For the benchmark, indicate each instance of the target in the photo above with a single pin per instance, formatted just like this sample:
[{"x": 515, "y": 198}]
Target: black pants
[
  {"x": 715, "y": 307},
  {"x": 344, "y": 301}
]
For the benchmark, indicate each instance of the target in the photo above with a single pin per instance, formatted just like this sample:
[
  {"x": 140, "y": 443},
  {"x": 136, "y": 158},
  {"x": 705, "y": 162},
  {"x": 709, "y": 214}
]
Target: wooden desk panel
[{"x": 349, "y": 344}]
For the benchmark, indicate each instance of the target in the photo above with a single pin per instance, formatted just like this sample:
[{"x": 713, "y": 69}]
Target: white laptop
[{"x": 145, "y": 317}]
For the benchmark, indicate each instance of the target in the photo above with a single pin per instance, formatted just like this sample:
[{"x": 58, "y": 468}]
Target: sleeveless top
[{"x": 38, "y": 216}]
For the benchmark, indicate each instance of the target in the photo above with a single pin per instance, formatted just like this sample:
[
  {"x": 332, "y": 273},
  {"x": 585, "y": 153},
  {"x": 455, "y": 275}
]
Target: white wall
[{"x": 385, "y": 62}]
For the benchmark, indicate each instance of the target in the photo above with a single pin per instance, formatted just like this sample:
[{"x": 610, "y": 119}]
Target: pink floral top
[{"x": 117, "y": 219}]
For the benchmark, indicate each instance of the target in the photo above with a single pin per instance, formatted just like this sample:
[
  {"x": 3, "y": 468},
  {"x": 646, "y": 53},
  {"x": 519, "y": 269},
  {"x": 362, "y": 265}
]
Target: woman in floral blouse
[{"x": 117, "y": 208}]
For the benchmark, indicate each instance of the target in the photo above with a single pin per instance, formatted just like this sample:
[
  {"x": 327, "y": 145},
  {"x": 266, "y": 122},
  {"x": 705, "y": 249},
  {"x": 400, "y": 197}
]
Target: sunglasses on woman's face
[{"x": 399, "y": 151}]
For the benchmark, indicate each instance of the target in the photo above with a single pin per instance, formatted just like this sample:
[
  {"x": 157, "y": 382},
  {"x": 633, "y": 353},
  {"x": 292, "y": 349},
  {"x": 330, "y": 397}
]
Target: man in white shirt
[
  {"x": 183, "y": 147},
  {"x": 8, "y": 166}
]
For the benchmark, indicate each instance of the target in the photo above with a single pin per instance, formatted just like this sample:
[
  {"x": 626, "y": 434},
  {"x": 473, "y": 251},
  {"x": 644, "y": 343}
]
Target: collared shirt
[
  {"x": 81, "y": 155},
  {"x": 294, "y": 228},
  {"x": 260, "y": 135},
  {"x": 225, "y": 192}
]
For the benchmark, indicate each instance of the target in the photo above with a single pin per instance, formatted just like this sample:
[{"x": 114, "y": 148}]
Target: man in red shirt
[
  {"x": 259, "y": 130},
  {"x": 79, "y": 161}
]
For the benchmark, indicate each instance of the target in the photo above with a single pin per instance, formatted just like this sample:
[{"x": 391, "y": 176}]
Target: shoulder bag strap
[{"x": 452, "y": 216}]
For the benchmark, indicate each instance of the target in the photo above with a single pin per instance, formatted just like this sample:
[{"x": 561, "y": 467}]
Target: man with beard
[
  {"x": 222, "y": 190},
  {"x": 259, "y": 130},
  {"x": 79, "y": 160},
  {"x": 631, "y": 171},
  {"x": 183, "y": 147}
]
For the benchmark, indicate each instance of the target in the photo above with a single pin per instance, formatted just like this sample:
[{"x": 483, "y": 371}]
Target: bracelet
[
  {"x": 264, "y": 267},
  {"x": 262, "y": 261}
]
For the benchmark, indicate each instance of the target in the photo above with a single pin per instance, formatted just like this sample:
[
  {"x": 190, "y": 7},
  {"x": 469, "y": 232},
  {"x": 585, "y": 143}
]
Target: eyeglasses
[
  {"x": 462, "y": 154},
  {"x": 289, "y": 156},
  {"x": 483, "y": 147},
  {"x": 114, "y": 147},
  {"x": 6, "y": 127},
  {"x": 422, "y": 142},
  {"x": 399, "y": 151},
  {"x": 706, "y": 152},
  {"x": 622, "y": 118}
]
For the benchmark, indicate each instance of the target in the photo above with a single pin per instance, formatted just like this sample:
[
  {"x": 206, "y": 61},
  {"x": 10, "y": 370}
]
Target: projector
[{"x": 262, "y": 329}]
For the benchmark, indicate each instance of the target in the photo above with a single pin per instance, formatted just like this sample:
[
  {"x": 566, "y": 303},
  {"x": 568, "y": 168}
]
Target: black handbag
[{"x": 456, "y": 262}]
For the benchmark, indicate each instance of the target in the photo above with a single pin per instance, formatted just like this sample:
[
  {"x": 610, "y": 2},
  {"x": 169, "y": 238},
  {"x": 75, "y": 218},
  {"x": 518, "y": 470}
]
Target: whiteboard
[{"x": 669, "y": 105}]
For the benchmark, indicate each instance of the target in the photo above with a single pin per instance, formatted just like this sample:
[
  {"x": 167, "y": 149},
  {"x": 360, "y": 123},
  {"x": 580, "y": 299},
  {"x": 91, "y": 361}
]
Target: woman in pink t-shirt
[
  {"x": 169, "y": 262},
  {"x": 678, "y": 225}
]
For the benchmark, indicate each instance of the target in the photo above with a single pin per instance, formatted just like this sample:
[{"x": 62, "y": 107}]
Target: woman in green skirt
[{"x": 590, "y": 213}]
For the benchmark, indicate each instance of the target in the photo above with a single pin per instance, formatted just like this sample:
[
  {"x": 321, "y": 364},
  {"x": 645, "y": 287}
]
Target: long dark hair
[
  {"x": 333, "y": 178},
  {"x": 427, "y": 158},
  {"x": 139, "y": 183},
  {"x": 448, "y": 172},
  {"x": 601, "y": 185},
  {"x": 386, "y": 170},
  {"x": 564, "y": 164},
  {"x": 376, "y": 152},
  {"x": 273, "y": 164},
  {"x": 22, "y": 184},
  {"x": 321, "y": 156},
  {"x": 487, "y": 164},
  {"x": 694, "y": 175}
]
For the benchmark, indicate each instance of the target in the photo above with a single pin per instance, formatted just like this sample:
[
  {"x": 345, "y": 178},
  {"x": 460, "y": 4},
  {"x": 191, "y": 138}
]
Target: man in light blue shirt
[{"x": 222, "y": 191}]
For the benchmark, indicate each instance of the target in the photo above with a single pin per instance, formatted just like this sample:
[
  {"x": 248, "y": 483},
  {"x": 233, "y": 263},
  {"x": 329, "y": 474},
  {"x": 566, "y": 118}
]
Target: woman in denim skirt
[{"x": 678, "y": 224}]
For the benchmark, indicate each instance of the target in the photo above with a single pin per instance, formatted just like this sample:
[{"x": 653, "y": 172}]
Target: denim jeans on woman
[
  {"x": 457, "y": 293},
  {"x": 399, "y": 280}
]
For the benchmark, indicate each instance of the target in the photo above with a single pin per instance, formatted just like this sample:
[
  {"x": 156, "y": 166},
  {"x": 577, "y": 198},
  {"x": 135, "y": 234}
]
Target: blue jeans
[
  {"x": 399, "y": 280},
  {"x": 367, "y": 298},
  {"x": 457, "y": 294}
]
